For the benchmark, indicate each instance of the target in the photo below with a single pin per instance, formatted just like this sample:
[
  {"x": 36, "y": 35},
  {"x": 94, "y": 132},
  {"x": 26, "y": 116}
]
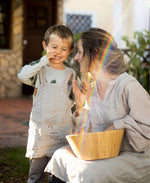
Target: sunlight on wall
[{"x": 119, "y": 17}]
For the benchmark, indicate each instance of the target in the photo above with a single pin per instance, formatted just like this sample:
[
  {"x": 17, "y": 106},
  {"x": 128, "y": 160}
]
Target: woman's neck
[{"x": 103, "y": 81}]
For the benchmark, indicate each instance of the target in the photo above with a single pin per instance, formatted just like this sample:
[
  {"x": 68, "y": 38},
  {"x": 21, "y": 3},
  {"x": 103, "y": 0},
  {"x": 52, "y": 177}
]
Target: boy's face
[{"x": 58, "y": 49}]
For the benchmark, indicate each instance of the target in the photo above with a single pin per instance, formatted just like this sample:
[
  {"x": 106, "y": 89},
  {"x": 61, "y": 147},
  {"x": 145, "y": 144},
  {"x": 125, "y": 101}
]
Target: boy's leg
[
  {"x": 56, "y": 180},
  {"x": 36, "y": 172}
]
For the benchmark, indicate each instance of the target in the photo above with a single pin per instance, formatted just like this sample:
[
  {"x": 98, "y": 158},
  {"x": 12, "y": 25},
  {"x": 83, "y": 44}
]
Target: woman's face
[{"x": 79, "y": 57}]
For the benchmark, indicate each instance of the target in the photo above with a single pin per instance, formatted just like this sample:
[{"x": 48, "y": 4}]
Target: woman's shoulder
[
  {"x": 122, "y": 82},
  {"x": 131, "y": 85},
  {"x": 125, "y": 79},
  {"x": 125, "y": 76}
]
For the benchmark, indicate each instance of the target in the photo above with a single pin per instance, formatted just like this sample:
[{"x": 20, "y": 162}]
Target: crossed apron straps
[
  {"x": 71, "y": 95},
  {"x": 42, "y": 79},
  {"x": 68, "y": 81},
  {"x": 42, "y": 76}
]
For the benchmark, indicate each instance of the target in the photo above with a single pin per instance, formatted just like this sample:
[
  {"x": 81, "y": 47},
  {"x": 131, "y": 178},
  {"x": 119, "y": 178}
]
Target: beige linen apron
[{"x": 50, "y": 119}]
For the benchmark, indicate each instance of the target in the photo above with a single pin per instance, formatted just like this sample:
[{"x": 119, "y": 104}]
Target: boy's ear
[{"x": 44, "y": 45}]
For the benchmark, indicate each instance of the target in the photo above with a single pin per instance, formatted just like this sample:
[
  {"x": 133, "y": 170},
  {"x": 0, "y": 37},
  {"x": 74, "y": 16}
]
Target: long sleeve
[
  {"x": 28, "y": 73},
  {"x": 137, "y": 122}
]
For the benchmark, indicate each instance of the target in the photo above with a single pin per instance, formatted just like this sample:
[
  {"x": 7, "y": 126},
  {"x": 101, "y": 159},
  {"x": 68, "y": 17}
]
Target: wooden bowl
[{"x": 99, "y": 145}]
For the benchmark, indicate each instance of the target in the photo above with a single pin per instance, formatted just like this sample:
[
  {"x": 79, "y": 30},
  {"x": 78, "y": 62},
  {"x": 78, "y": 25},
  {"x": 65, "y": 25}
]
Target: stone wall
[{"x": 11, "y": 60}]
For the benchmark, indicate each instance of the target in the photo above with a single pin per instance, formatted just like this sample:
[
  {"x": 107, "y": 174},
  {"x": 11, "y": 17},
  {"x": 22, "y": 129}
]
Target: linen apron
[{"x": 50, "y": 119}]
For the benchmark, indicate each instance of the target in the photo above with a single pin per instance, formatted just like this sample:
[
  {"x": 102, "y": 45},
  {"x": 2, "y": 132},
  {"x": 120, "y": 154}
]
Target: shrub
[{"x": 139, "y": 57}]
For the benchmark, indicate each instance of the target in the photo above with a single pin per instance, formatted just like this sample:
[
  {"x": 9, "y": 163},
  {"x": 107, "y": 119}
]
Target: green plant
[
  {"x": 13, "y": 164},
  {"x": 139, "y": 57}
]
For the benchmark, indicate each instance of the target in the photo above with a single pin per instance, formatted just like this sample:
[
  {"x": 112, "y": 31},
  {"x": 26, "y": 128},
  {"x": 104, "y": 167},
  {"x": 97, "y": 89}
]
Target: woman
[{"x": 117, "y": 101}]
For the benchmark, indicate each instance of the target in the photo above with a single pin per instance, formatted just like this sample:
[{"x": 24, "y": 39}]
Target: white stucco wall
[
  {"x": 120, "y": 17},
  {"x": 98, "y": 7}
]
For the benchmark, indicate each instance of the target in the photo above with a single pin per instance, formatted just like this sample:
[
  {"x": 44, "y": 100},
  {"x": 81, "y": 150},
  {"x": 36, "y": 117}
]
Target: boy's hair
[{"x": 60, "y": 30}]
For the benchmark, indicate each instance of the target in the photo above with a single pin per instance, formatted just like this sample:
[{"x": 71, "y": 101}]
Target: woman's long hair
[{"x": 100, "y": 47}]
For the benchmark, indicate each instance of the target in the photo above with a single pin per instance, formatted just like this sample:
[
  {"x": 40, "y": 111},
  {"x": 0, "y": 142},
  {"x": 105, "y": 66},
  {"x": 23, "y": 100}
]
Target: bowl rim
[{"x": 87, "y": 134}]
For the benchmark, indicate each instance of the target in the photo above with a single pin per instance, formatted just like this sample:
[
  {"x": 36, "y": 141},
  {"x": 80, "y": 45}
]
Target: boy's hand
[{"x": 50, "y": 55}]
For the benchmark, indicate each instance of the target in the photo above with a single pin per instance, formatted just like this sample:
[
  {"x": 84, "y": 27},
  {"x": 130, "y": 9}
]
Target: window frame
[
  {"x": 6, "y": 25},
  {"x": 92, "y": 14}
]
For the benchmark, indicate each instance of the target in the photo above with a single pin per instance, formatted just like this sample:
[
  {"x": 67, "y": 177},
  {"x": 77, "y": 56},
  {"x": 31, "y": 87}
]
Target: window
[
  {"x": 37, "y": 18},
  {"x": 4, "y": 23},
  {"x": 79, "y": 21}
]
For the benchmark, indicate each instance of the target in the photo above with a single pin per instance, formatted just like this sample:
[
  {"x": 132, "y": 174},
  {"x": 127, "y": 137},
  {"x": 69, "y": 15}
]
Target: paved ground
[{"x": 14, "y": 117}]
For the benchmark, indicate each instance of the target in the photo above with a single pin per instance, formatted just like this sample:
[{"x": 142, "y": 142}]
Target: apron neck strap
[{"x": 42, "y": 76}]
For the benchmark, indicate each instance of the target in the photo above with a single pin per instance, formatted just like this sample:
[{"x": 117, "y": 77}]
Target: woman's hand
[
  {"x": 111, "y": 127},
  {"x": 79, "y": 97}
]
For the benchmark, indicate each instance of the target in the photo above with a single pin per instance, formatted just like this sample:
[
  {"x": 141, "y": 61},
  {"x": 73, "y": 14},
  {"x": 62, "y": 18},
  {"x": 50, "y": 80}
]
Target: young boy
[{"x": 50, "y": 119}]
